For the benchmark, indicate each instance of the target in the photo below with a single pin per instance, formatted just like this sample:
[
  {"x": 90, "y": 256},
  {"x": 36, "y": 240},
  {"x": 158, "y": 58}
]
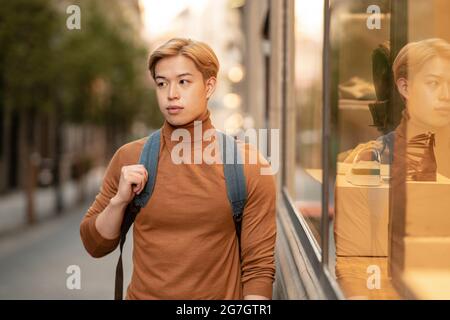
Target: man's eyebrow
[
  {"x": 434, "y": 75},
  {"x": 178, "y": 76},
  {"x": 184, "y": 74}
]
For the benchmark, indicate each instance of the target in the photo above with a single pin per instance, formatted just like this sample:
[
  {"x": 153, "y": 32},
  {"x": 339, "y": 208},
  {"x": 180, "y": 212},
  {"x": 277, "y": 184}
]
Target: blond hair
[
  {"x": 413, "y": 56},
  {"x": 200, "y": 53}
]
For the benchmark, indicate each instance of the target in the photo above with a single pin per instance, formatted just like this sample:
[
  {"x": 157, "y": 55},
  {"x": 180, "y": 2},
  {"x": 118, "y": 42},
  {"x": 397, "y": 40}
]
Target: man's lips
[
  {"x": 174, "y": 109},
  {"x": 443, "y": 109}
]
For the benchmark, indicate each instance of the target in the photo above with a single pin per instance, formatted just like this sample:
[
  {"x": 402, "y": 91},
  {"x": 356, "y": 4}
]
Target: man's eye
[
  {"x": 161, "y": 84},
  {"x": 433, "y": 83},
  {"x": 183, "y": 81}
]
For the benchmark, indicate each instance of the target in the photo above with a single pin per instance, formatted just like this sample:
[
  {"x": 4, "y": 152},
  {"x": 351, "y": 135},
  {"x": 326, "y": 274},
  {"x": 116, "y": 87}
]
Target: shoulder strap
[
  {"x": 149, "y": 158},
  {"x": 233, "y": 169}
]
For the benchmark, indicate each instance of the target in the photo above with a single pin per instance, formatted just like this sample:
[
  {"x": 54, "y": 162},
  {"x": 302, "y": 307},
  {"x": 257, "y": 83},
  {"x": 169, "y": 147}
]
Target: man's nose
[
  {"x": 445, "y": 92},
  {"x": 173, "y": 92}
]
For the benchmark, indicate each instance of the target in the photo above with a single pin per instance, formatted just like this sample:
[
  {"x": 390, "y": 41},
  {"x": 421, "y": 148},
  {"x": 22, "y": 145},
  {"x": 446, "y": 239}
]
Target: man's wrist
[{"x": 117, "y": 202}]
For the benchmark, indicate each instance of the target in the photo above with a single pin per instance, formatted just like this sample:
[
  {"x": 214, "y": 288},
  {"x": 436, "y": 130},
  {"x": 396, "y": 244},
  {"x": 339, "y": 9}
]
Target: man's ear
[
  {"x": 402, "y": 87},
  {"x": 210, "y": 86}
]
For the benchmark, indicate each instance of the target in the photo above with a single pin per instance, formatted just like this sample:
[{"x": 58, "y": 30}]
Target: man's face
[
  {"x": 428, "y": 96},
  {"x": 181, "y": 90}
]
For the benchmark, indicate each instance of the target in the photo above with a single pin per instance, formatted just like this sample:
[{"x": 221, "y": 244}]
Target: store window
[
  {"x": 360, "y": 48},
  {"x": 391, "y": 67},
  {"x": 308, "y": 101}
]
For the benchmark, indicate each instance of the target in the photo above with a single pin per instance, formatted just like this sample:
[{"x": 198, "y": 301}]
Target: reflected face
[
  {"x": 181, "y": 90},
  {"x": 428, "y": 96}
]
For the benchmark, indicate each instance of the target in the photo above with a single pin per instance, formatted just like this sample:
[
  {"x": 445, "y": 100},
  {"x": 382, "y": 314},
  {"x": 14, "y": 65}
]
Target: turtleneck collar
[{"x": 192, "y": 127}]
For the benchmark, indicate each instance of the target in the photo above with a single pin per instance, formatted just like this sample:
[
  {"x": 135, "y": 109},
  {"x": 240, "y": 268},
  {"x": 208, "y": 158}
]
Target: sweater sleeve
[
  {"x": 258, "y": 232},
  {"x": 96, "y": 245}
]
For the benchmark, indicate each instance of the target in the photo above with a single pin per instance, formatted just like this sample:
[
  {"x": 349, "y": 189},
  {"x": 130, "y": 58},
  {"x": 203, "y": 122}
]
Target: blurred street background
[{"x": 74, "y": 87}]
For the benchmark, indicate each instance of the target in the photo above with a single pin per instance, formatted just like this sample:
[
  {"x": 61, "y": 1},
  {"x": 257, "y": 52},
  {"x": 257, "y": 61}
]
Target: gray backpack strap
[
  {"x": 149, "y": 158},
  {"x": 233, "y": 169}
]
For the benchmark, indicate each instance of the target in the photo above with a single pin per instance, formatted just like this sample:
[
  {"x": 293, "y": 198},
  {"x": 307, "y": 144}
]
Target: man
[
  {"x": 185, "y": 244},
  {"x": 422, "y": 77}
]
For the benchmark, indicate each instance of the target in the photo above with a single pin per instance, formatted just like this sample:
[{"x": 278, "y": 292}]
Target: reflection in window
[
  {"x": 420, "y": 237},
  {"x": 362, "y": 186},
  {"x": 391, "y": 227}
]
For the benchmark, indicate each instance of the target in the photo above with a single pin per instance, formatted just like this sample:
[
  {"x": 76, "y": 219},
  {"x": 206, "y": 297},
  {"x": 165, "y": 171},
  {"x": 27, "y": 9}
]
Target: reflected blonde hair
[
  {"x": 200, "y": 53},
  {"x": 413, "y": 56}
]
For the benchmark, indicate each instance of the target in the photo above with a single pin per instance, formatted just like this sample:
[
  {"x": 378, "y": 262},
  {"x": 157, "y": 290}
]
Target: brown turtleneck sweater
[{"x": 185, "y": 244}]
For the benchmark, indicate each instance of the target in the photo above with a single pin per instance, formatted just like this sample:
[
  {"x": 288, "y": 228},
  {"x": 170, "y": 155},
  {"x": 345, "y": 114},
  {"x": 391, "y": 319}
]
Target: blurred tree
[
  {"x": 26, "y": 33},
  {"x": 104, "y": 69},
  {"x": 96, "y": 75},
  {"x": 102, "y": 76}
]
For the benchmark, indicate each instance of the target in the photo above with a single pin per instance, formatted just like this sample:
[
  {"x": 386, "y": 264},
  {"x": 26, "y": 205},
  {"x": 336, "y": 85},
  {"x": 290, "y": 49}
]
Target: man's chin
[{"x": 177, "y": 121}]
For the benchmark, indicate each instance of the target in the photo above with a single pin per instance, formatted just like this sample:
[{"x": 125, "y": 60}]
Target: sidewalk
[
  {"x": 34, "y": 262},
  {"x": 13, "y": 205}
]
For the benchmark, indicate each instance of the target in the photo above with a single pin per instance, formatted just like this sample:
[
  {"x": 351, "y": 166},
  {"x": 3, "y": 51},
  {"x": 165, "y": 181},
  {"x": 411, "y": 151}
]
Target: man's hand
[{"x": 132, "y": 180}]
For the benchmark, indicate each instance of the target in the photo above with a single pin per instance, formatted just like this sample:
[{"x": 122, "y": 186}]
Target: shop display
[
  {"x": 358, "y": 89},
  {"x": 361, "y": 221},
  {"x": 366, "y": 168}
]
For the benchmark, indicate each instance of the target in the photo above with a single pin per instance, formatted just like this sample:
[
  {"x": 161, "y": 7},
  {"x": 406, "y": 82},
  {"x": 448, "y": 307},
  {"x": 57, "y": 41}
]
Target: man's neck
[
  {"x": 196, "y": 130},
  {"x": 415, "y": 128}
]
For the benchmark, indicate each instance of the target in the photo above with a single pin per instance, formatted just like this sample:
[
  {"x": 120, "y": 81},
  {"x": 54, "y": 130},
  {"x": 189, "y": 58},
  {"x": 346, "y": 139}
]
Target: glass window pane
[
  {"x": 420, "y": 233},
  {"x": 360, "y": 44},
  {"x": 308, "y": 99},
  {"x": 391, "y": 230}
]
